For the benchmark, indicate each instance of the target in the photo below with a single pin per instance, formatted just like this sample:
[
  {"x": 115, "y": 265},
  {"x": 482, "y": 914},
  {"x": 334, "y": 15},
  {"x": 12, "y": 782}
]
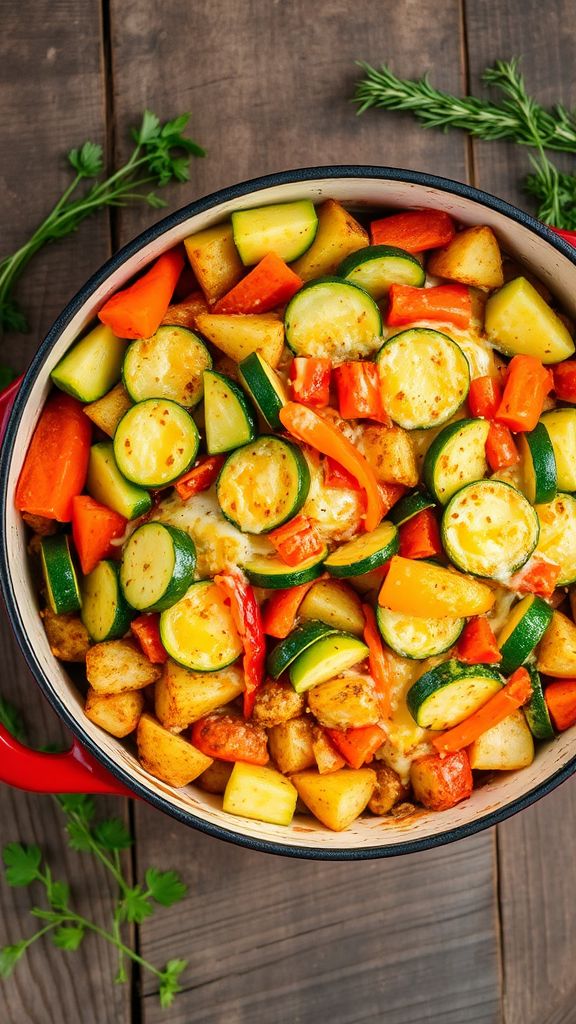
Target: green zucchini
[
  {"x": 287, "y": 229},
  {"x": 264, "y": 386},
  {"x": 295, "y": 643},
  {"x": 333, "y": 319},
  {"x": 263, "y": 484},
  {"x": 417, "y": 638},
  {"x": 522, "y": 631},
  {"x": 229, "y": 417},
  {"x": 425, "y": 377},
  {"x": 326, "y": 658},
  {"x": 558, "y": 535},
  {"x": 364, "y": 553},
  {"x": 198, "y": 631},
  {"x": 62, "y": 588},
  {"x": 456, "y": 457},
  {"x": 158, "y": 563},
  {"x": 536, "y": 710},
  {"x": 489, "y": 529},
  {"x": 409, "y": 506},
  {"x": 538, "y": 464},
  {"x": 106, "y": 484},
  {"x": 92, "y": 367},
  {"x": 376, "y": 267},
  {"x": 561, "y": 427},
  {"x": 105, "y": 612},
  {"x": 155, "y": 442},
  {"x": 450, "y": 692},
  {"x": 270, "y": 572},
  {"x": 168, "y": 365}
]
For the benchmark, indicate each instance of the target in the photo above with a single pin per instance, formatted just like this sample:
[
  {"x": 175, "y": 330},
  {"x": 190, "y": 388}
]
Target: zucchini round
[
  {"x": 263, "y": 484},
  {"x": 522, "y": 631},
  {"x": 158, "y": 565},
  {"x": 376, "y": 267},
  {"x": 287, "y": 229},
  {"x": 271, "y": 572},
  {"x": 536, "y": 710},
  {"x": 325, "y": 659},
  {"x": 230, "y": 420},
  {"x": 295, "y": 643},
  {"x": 409, "y": 506},
  {"x": 199, "y": 632},
  {"x": 265, "y": 387},
  {"x": 333, "y": 319},
  {"x": 448, "y": 693},
  {"x": 539, "y": 477},
  {"x": 364, "y": 553},
  {"x": 105, "y": 612},
  {"x": 489, "y": 529},
  {"x": 170, "y": 365},
  {"x": 417, "y": 638},
  {"x": 558, "y": 535},
  {"x": 425, "y": 378},
  {"x": 455, "y": 458},
  {"x": 561, "y": 427},
  {"x": 155, "y": 442},
  {"x": 62, "y": 588}
]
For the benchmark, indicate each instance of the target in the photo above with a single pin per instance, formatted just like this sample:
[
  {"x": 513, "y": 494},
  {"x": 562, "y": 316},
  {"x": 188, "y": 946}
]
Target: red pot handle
[
  {"x": 73, "y": 771},
  {"x": 7, "y": 399}
]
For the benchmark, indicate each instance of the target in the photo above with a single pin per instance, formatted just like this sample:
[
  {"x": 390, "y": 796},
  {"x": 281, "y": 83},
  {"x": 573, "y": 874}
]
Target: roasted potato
[
  {"x": 119, "y": 665},
  {"x": 440, "y": 782},
  {"x": 346, "y": 703},
  {"x": 290, "y": 745},
  {"x": 40, "y": 524},
  {"x": 504, "y": 747},
  {"x": 107, "y": 412},
  {"x": 262, "y": 794},
  {"x": 118, "y": 714},
  {"x": 185, "y": 313},
  {"x": 391, "y": 454},
  {"x": 240, "y": 335},
  {"x": 336, "y": 604},
  {"x": 276, "y": 702},
  {"x": 182, "y": 697},
  {"x": 556, "y": 652},
  {"x": 326, "y": 756},
  {"x": 168, "y": 757},
  {"x": 389, "y": 790},
  {"x": 338, "y": 235},
  {"x": 67, "y": 635},
  {"x": 336, "y": 799},
  {"x": 215, "y": 261},
  {"x": 472, "y": 257},
  {"x": 215, "y": 778}
]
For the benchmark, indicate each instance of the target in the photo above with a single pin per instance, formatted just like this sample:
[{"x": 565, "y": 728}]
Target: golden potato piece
[
  {"x": 67, "y": 635},
  {"x": 389, "y": 790},
  {"x": 327, "y": 757},
  {"x": 118, "y": 714},
  {"x": 556, "y": 653},
  {"x": 241, "y": 334},
  {"x": 168, "y": 757},
  {"x": 336, "y": 799},
  {"x": 338, "y": 235},
  {"x": 214, "y": 259},
  {"x": 505, "y": 747},
  {"x": 215, "y": 778},
  {"x": 472, "y": 257},
  {"x": 391, "y": 454},
  {"x": 336, "y": 604},
  {"x": 290, "y": 745},
  {"x": 107, "y": 412},
  {"x": 185, "y": 313},
  {"x": 182, "y": 696},
  {"x": 119, "y": 665},
  {"x": 277, "y": 702},
  {"x": 346, "y": 703}
]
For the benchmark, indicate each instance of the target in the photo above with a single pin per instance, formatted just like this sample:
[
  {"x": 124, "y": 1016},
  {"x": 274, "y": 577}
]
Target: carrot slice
[
  {"x": 138, "y": 311},
  {"x": 269, "y": 284},
  {"x": 484, "y": 397},
  {"x": 448, "y": 303},
  {"x": 527, "y": 384},
  {"x": 414, "y": 230},
  {"x": 513, "y": 695},
  {"x": 357, "y": 746},
  {"x": 94, "y": 526},
  {"x": 560, "y": 697}
]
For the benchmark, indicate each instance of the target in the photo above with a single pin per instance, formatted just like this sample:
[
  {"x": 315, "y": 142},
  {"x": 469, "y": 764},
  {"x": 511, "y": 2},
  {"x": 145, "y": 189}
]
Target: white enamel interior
[{"x": 554, "y": 269}]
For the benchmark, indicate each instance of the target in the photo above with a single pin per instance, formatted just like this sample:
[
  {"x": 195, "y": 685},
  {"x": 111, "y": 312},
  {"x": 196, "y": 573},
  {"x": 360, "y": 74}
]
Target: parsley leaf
[
  {"x": 58, "y": 894},
  {"x": 169, "y": 981},
  {"x": 9, "y": 957},
  {"x": 10, "y": 717},
  {"x": 135, "y": 907},
  {"x": 68, "y": 936},
  {"x": 79, "y": 804},
  {"x": 22, "y": 863},
  {"x": 88, "y": 160},
  {"x": 165, "y": 887},
  {"x": 112, "y": 834}
]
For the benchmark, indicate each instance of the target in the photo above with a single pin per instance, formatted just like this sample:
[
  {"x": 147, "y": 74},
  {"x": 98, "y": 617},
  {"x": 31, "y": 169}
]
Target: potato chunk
[
  {"x": 170, "y": 758},
  {"x": 391, "y": 454},
  {"x": 185, "y": 313},
  {"x": 441, "y": 782},
  {"x": 277, "y": 702},
  {"x": 119, "y": 665},
  {"x": 107, "y": 411},
  {"x": 345, "y": 703},
  {"x": 214, "y": 259},
  {"x": 117, "y": 714},
  {"x": 182, "y": 696},
  {"x": 338, "y": 235},
  {"x": 505, "y": 747},
  {"x": 336, "y": 799},
  {"x": 336, "y": 604},
  {"x": 556, "y": 652},
  {"x": 327, "y": 757},
  {"x": 290, "y": 745},
  {"x": 67, "y": 635},
  {"x": 389, "y": 790},
  {"x": 215, "y": 778},
  {"x": 472, "y": 257},
  {"x": 238, "y": 335}
]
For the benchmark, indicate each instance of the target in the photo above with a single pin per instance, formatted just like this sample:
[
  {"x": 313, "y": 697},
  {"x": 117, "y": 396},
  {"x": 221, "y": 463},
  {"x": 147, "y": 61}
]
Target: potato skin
[
  {"x": 67, "y": 635},
  {"x": 389, "y": 790},
  {"x": 345, "y": 703},
  {"x": 215, "y": 778},
  {"x": 391, "y": 454},
  {"x": 556, "y": 652},
  {"x": 290, "y": 745},
  {"x": 115, "y": 666},
  {"x": 170, "y": 758},
  {"x": 182, "y": 696},
  {"x": 277, "y": 702},
  {"x": 117, "y": 714}
]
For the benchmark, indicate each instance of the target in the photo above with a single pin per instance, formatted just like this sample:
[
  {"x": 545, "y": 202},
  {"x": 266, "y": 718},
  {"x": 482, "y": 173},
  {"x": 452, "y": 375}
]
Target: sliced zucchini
[
  {"x": 265, "y": 387},
  {"x": 326, "y": 658},
  {"x": 295, "y": 643},
  {"x": 287, "y": 229},
  {"x": 62, "y": 588},
  {"x": 92, "y": 367},
  {"x": 522, "y": 631},
  {"x": 425, "y": 377},
  {"x": 538, "y": 464},
  {"x": 106, "y": 484},
  {"x": 168, "y": 365},
  {"x": 365, "y": 553},
  {"x": 561, "y": 427},
  {"x": 456, "y": 457},
  {"x": 199, "y": 632},
  {"x": 409, "y": 506},
  {"x": 415, "y": 637},
  {"x": 536, "y": 710},
  {"x": 558, "y": 535},
  {"x": 155, "y": 442},
  {"x": 489, "y": 529},
  {"x": 271, "y": 572},
  {"x": 158, "y": 565},
  {"x": 333, "y": 319},
  {"x": 448, "y": 693},
  {"x": 377, "y": 267},
  {"x": 229, "y": 416},
  {"x": 263, "y": 484},
  {"x": 105, "y": 612},
  {"x": 519, "y": 321}
]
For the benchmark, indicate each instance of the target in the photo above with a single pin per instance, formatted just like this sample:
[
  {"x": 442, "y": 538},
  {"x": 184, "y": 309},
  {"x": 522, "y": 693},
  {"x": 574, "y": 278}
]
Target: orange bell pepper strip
[
  {"x": 377, "y": 660},
  {"x": 413, "y": 230},
  {"x": 138, "y": 311},
  {"x": 146, "y": 629},
  {"x": 280, "y": 611},
  {"x": 357, "y": 746},
  {"x": 538, "y": 576},
  {"x": 448, "y": 303},
  {"x": 442, "y": 781},
  {"x": 310, "y": 380},
  {"x": 269, "y": 284},
  {"x": 308, "y": 427},
  {"x": 336, "y": 476},
  {"x": 359, "y": 392},
  {"x": 296, "y": 540},
  {"x": 229, "y": 738},
  {"x": 420, "y": 536},
  {"x": 564, "y": 375},
  {"x": 484, "y": 397},
  {"x": 94, "y": 526},
  {"x": 513, "y": 695},
  {"x": 477, "y": 644},
  {"x": 560, "y": 697},
  {"x": 200, "y": 477},
  {"x": 527, "y": 384},
  {"x": 501, "y": 451},
  {"x": 56, "y": 462},
  {"x": 248, "y": 621}
]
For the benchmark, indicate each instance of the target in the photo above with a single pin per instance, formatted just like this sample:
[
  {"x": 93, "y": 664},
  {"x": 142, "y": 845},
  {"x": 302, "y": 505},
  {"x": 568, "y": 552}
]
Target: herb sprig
[
  {"x": 517, "y": 117},
  {"x": 161, "y": 154}
]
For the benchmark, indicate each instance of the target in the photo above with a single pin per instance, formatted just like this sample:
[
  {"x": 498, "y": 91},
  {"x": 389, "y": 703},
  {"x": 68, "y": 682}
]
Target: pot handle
[
  {"x": 73, "y": 771},
  {"x": 7, "y": 399},
  {"x": 568, "y": 236}
]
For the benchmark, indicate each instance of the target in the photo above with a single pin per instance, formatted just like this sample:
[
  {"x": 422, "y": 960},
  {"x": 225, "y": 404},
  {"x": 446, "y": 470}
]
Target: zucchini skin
[
  {"x": 301, "y": 492},
  {"x": 351, "y": 268},
  {"x": 409, "y": 506},
  {"x": 295, "y": 643},
  {"x": 321, "y": 282},
  {"x": 134, "y": 421},
  {"x": 244, "y": 409},
  {"x": 268, "y": 394},
  {"x": 148, "y": 357},
  {"x": 536, "y": 710},
  {"x": 467, "y": 469},
  {"x": 288, "y": 576},
  {"x": 121, "y": 611},
  {"x": 527, "y": 633},
  {"x": 539, "y": 463},
  {"x": 449, "y": 673},
  {"x": 369, "y": 562},
  {"x": 184, "y": 552},
  {"x": 386, "y": 627},
  {"x": 60, "y": 575}
]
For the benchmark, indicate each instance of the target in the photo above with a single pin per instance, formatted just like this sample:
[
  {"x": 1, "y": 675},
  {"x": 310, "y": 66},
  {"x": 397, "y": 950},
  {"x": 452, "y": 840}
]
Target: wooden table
[{"x": 483, "y": 931}]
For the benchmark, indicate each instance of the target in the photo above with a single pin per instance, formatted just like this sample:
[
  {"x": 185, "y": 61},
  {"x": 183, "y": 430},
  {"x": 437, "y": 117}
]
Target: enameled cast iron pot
[{"x": 99, "y": 763}]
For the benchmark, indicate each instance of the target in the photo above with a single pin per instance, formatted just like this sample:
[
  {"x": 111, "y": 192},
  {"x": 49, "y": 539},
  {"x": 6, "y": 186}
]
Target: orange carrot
[
  {"x": 357, "y": 746},
  {"x": 311, "y": 429},
  {"x": 280, "y": 610},
  {"x": 146, "y": 629},
  {"x": 484, "y": 397},
  {"x": 138, "y": 311},
  {"x": 477, "y": 644},
  {"x": 448, "y": 303},
  {"x": 513, "y": 695},
  {"x": 527, "y": 384},
  {"x": 501, "y": 451},
  {"x": 442, "y": 781},
  {"x": 94, "y": 526},
  {"x": 269, "y": 284},
  {"x": 377, "y": 659},
  {"x": 413, "y": 230},
  {"x": 420, "y": 536},
  {"x": 538, "y": 576},
  {"x": 560, "y": 699},
  {"x": 296, "y": 540}
]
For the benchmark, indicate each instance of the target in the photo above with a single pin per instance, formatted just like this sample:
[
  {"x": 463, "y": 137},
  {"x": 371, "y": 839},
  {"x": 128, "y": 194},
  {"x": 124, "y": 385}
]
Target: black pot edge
[{"x": 75, "y": 304}]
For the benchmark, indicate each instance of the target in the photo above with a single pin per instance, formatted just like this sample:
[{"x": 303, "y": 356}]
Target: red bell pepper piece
[
  {"x": 560, "y": 697},
  {"x": 413, "y": 230},
  {"x": 359, "y": 392},
  {"x": 390, "y": 494},
  {"x": 357, "y": 746},
  {"x": 501, "y": 452},
  {"x": 201, "y": 477},
  {"x": 138, "y": 311},
  {"x": 280, "y": 610},
  {"x": 94, "y": 526},
  {"x": 146, "y": 629},
  {"x": 296, "y": 540},
  {"x": 56, "y": 462},
  {"x": 420, "y": 536},
  {"x": 538, "y": 576},
  {"x": 564, "y": 375},
  {"x": 449, "y": 303},
  {"x": 527, "y": 384},
  {"x": 248, "y": 621},
  {"x": 310, "y": 381},
  {"x": 477, "y": 644},
  {"x": 230, "y": 738},
  {"x": 377, "y": 659},
  {"x": 336, "y": 476},
  {"x": 512, "y": 696},
  {"x": 484, "y": 397},
  {"x": 269, "y": 284}
]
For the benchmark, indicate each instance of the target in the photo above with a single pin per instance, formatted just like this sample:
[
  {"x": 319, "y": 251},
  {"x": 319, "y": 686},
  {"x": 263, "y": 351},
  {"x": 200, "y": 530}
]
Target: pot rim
[{"x": 71, "y": 309}]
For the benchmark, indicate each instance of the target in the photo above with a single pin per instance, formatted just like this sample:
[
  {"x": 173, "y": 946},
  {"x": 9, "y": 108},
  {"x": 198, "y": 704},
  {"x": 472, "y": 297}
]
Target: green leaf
[
  {"x": 68, "y": 936},
  {"x": 12, "y": 318},
  {"x": 149, "y": 128},
  {"x": 176, "y": 126},
  {"x": 112, "y": 834},
  {"x": 10, "y": 717},
  {"x": 169, "y": 981},
  {"x": 165, "y": 887},
  {"x": 22, "y": 863},
  {"x": 59, "y": 894},
  {"x": 9, "y": 957},
  {"x": 78, "y": 836},
  {"x": 77, "y": 803},
  {"x": 51, "y": 916},
  {"x": 87, "y": 160},
  {"x": 135, "y": 906},
  {"x": 155, "y": 201}
]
